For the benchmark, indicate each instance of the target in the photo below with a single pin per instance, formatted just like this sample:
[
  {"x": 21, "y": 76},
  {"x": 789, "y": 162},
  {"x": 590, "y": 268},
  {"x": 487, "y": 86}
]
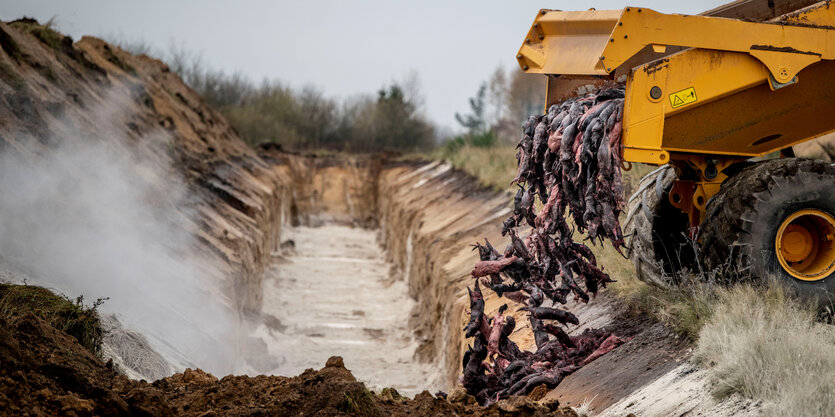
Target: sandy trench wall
[
  {"x": 331, "y": 188},
  {"x": 430, "y": 216},
  {"x": 56, "y": 93}
]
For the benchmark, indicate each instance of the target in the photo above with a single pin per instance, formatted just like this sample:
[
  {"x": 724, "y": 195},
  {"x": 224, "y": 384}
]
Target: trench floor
[{"x": 335, "y": 294}]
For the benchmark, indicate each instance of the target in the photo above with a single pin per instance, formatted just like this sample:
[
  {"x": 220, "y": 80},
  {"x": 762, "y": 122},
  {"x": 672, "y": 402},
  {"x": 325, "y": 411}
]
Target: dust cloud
[{"x": 99, "y": 218}]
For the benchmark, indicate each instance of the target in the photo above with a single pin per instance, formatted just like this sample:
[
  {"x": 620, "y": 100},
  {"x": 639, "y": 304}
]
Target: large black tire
[
  {"x": 656, "y": 232},
  {"x": 737, "y": 236}
]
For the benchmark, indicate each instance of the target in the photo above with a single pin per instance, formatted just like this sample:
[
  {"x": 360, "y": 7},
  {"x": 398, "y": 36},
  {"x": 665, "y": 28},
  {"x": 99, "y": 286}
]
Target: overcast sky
[{"x": 341, "y": 47}]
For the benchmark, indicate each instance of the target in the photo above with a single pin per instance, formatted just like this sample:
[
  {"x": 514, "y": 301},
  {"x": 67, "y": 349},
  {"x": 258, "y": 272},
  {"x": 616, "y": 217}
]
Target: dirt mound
[
  {"x": 330, "y": 391},
  {"x": 47, "y": 372}
]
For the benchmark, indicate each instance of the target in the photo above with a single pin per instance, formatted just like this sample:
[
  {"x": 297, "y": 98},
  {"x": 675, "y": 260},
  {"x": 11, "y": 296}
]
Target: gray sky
[{"x": 341, "y": 47}]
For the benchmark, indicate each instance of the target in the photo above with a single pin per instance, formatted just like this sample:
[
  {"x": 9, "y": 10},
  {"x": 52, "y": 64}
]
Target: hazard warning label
[{"x": 683, "y": 97}]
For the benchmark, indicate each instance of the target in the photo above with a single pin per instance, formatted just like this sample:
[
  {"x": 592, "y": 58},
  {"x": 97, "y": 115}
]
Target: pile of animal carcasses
[{"x": 569, "y": 159}]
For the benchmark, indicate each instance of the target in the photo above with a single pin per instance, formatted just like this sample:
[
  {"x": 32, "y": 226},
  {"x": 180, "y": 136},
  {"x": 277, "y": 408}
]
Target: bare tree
[
  {"x": 497, "y": 96},
  {"x": 526, "y": 95}
]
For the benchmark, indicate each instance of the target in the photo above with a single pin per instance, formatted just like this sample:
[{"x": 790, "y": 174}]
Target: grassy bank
[
  {"x": 494, "y": 166},
  {"x": 69, "y": 316}
]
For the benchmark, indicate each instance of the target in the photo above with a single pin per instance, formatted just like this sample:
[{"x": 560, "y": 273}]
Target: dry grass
[
  {"x": 44, "y": 32},
  {"x": 760, "y": 342},
  {"x": 494, "y": 166},
  {"x": 584, "y": 409},
  {"x": 684, "y": 309},
  {"x": 766, "y": 345}
]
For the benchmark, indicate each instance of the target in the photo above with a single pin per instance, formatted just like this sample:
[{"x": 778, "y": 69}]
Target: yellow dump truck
[{"x": 707, "y": 99}]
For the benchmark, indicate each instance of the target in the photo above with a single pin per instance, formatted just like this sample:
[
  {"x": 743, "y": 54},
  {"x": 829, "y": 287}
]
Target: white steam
[{"x": 99, "y": 220}]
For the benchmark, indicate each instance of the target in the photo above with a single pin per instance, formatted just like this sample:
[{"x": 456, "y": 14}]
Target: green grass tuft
[
  {"x": 358, "y": 403},
  {"x": 43, "y": 32},
  {"x": 391, "y": 395},
  {"x": 70, "y": 316}
]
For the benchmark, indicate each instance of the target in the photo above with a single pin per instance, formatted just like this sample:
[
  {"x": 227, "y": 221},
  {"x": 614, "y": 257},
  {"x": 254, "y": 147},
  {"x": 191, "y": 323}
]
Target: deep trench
[
  {"x": 372, "y": 264},
  {"x": 332, "y": 292}
]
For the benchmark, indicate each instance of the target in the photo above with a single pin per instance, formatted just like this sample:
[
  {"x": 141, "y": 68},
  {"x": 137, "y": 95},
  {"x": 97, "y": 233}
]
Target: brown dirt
[{"x": 46, "y": 372}]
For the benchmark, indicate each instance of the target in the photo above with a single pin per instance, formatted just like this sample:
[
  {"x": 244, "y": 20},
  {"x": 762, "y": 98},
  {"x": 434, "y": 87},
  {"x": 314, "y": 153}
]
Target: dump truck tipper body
[{"x": 734, "y": 90}]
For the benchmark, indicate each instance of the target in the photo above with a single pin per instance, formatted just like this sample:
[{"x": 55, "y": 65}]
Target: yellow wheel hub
[{"x": 805, "y": 244}]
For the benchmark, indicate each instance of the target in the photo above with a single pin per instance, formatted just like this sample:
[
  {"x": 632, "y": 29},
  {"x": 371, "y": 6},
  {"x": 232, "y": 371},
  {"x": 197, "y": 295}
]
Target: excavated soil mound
[{"x": 46, "y": 372}]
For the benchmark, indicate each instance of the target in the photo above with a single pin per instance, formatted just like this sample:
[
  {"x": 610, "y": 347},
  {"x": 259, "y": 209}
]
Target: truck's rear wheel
[
  {"x": 775, "y": 218},
  {"x": 656, "y": 232}
]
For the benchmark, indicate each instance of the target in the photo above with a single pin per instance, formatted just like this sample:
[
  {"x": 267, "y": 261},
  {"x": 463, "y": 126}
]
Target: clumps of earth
[
  {"x": 46, "y": 372},
  {"x": 568, "y": 160}
]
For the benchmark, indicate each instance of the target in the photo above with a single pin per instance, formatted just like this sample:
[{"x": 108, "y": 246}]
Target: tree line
[
  {"x": 498, "y": 108},
  {"x": 390, "y": 119}
]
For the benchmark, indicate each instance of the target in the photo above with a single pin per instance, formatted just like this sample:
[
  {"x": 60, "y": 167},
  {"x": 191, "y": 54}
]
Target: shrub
[
  {"x": 44, "y": 32},
  {"x": 69, "y": 316}
]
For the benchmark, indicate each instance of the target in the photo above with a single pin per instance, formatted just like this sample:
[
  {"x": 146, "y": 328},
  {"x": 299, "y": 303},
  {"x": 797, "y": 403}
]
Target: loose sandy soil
[{"x": 683, "y": 391}]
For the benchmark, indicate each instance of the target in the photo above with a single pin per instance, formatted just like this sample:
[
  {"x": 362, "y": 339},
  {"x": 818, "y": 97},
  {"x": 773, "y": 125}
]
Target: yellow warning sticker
[{"x": 683, "y": 97}]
